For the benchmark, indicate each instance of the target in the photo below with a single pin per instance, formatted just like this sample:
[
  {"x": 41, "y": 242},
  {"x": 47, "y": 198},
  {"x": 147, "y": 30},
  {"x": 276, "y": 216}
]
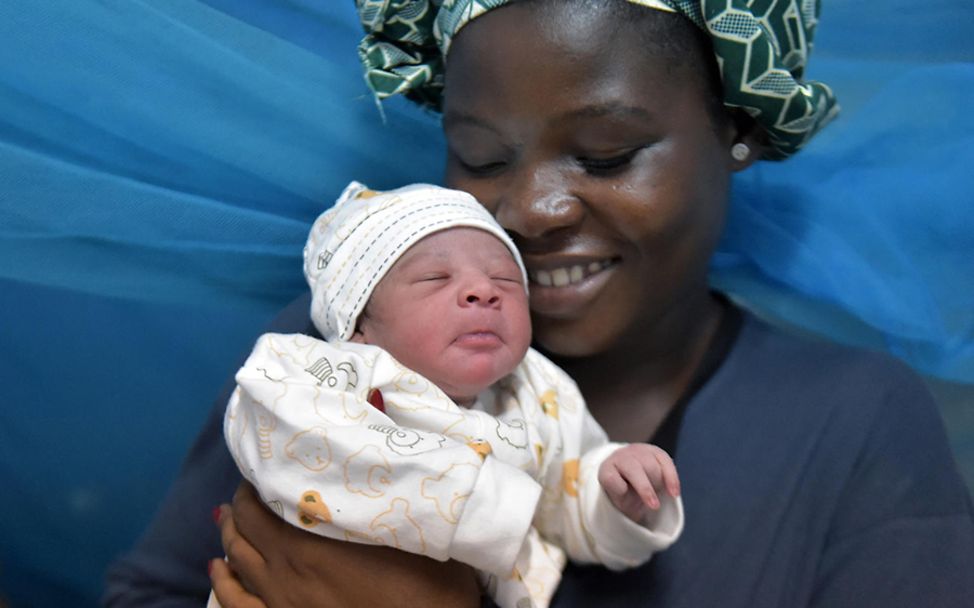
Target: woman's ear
[{"x": 749, "y": 142}]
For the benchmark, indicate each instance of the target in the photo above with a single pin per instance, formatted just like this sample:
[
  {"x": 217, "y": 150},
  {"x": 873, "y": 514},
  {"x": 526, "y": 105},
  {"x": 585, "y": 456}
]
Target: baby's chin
[
  {"x": 466, "y": 393},
  {"x": 467, "y": 402},
  {"x": 467, "y": 396}
]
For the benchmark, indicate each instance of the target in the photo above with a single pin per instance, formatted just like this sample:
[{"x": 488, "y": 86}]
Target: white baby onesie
[{"x": 508, "y": 486}]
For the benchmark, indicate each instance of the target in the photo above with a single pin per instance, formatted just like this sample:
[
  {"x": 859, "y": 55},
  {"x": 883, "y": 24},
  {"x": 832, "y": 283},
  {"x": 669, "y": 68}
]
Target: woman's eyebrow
[
  {"x": 455, "y": 118},
  {"x": 610, "y": 108},
  {"x": 601, "y": 110}
]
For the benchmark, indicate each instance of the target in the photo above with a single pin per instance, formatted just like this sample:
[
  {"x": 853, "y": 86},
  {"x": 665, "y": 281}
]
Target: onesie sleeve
[
  {"x": 575, "y": 512},
  {"x": 617, "y": 542},
  {"x": 300, "y": 428}
]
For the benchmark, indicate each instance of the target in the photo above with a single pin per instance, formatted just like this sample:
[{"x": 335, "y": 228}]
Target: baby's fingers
[
  {"x": 612, "y": 482},
  {"x": 671, "y": 480},
  {"x": 636, "y": 476}
]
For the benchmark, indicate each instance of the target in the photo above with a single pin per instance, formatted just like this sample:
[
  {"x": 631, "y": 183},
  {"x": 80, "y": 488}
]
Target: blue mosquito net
[{"x": 162, "y": 160}]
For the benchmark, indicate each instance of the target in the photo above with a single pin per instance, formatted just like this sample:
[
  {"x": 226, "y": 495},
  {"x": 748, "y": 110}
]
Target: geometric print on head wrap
[
  {"x": 352, "y": 245},
  {"x": 761, "y": 47}
]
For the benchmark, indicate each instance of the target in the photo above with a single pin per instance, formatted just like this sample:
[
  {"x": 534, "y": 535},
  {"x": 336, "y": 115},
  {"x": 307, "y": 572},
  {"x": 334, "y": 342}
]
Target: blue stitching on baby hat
[{"x": 382, "y": 265}]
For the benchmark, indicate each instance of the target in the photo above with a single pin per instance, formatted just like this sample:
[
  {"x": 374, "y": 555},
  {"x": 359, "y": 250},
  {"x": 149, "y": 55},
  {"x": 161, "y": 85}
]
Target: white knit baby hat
[{"x": 352, "y": 245}]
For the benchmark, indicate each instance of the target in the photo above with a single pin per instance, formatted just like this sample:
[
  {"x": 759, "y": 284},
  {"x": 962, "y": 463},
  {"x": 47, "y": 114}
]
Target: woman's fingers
[
  {"x": 228, "y": 590},
  {"x": 253, "y": 519},
  {"x": 243, "y": 558},
  {"x": 289, "y": 567}
]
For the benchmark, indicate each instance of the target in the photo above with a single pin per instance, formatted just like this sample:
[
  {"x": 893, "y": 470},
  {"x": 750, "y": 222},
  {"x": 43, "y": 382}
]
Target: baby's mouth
[
  {"x": 567, "y": 275},
  {"x": 478, "y": 339}
]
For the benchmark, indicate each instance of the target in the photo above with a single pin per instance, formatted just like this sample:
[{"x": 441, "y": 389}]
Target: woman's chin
[{"x": 572, "y": 338}]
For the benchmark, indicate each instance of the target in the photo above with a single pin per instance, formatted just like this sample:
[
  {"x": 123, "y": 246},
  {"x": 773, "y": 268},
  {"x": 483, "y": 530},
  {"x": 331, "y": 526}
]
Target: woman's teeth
[{"x": 569, "y": 275}]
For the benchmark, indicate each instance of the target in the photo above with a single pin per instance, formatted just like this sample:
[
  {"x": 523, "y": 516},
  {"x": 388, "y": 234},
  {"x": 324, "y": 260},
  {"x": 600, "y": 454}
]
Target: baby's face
[{"x": 453, "y": 308}]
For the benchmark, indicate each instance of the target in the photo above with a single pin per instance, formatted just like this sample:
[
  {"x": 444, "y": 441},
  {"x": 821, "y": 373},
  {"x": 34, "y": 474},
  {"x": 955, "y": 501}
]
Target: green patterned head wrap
[{"x": 761, "y": 46}]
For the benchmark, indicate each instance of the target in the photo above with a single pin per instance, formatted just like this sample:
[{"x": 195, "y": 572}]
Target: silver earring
[{"x": 740, "y": 151}]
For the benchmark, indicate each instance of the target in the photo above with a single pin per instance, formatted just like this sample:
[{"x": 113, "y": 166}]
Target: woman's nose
[{"x": 538, "y": 202}]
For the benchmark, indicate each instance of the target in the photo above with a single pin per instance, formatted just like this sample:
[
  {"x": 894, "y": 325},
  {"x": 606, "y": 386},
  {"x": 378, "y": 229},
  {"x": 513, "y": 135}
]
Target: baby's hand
[{"x": 634, "y": 475}]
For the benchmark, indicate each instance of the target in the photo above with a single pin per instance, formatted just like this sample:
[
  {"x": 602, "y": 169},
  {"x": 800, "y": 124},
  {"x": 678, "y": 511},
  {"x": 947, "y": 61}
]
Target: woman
[{"x": 595, "y": 132}]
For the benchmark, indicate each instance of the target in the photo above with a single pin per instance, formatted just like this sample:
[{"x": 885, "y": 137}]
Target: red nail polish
[
  {"x": 216, "y": 515},
  {"x": 376, "y": 401}
]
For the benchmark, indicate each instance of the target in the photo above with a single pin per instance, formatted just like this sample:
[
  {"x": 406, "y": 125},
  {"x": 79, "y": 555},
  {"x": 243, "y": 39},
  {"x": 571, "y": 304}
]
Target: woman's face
[{"x": 600, "y": 159}]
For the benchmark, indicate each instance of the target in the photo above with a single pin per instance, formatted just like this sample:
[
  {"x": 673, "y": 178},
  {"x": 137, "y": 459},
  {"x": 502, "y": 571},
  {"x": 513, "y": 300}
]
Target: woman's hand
[
  {"x": 284, "y": 566},
  {"x": 228, "y": 590}
]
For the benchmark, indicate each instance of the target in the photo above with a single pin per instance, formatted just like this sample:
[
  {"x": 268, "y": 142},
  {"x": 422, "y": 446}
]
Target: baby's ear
[{"x": 358, "y": 338}]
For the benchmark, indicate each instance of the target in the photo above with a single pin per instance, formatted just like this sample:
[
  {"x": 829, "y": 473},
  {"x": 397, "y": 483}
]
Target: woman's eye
[
  {"x": 483, "y": 168},
  {"x": 479, "y": 162},
  {"x": 609, "y": 164}
]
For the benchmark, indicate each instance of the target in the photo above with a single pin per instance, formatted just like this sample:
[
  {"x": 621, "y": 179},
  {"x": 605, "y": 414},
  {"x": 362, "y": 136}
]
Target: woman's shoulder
[
  {"x": 294, "y": 318},
  {"x": 837, "y": 445},
  {"x": 776, "y": 378},
  {"x": 843, "y": 411},
  {"x": 786, "y": 359}
]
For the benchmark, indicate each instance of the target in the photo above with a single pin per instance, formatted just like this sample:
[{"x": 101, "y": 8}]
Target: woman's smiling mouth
[
  {"x": 565, "y": 291},
  {"x": 567, "y": 275}
]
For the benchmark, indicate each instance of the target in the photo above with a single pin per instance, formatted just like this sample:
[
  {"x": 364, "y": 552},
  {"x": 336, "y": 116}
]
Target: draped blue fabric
[
  {"x": 161, "y": 161},
  {"x": 867, "y": 236}
]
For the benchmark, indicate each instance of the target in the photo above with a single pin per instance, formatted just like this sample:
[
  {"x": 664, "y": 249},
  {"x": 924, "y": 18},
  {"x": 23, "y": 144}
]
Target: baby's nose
[
  {"x": 473, "y": 298},
  {"x": 480, "y": 292}
]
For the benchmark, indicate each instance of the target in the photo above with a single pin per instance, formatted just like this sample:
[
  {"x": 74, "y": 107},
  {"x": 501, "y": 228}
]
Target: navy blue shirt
[{"x": 812, "y": 475}]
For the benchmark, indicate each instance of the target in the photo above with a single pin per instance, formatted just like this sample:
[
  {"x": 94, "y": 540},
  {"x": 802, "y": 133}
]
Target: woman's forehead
[
  {"x": 590, "y": 58},
  {"x": 536, "y": 25},
  {"x": 565, "y": 26}
]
